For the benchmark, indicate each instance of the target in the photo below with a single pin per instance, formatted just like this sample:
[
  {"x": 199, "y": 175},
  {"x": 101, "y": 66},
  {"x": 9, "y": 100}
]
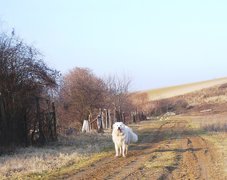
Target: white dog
[{"x": 122, "y": 136}]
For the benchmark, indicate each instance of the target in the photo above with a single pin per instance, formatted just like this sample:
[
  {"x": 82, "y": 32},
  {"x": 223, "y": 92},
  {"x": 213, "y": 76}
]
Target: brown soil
[{"x": 193, "y": 157}]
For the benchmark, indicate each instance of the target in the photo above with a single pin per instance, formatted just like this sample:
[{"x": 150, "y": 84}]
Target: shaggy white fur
[{"x": 122, "y": 136}]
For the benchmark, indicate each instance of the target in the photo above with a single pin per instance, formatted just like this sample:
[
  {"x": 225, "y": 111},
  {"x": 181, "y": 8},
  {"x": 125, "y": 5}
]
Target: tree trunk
[
  {"x": 3, "y": 136},
  {"x": 41, "y": 139},
  {"x": 54, "y": 121}
]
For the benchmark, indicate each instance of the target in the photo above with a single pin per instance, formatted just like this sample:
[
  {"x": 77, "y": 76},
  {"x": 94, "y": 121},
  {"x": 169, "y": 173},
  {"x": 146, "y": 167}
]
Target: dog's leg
[
  {"x": 123, "y": 150},
  {"x": 126, "y": 149},
  {"x": 116, "y": 150}
]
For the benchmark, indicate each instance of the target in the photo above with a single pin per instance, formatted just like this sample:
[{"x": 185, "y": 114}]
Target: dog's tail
[{"x": 134, "y": 137}]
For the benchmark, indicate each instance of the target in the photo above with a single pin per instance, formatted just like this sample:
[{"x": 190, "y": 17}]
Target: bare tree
[
  {"x": 82, "y": 94},
  {"x": 23, "y": 76},
  {"x": 118, "y": 96},
  {"x": 142, "y": 105}
]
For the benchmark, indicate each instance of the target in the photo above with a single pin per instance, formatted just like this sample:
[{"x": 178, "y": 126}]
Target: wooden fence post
[
  {"x": 55, "y": 121},
  {"x": 110, "y": 119},
  {"x": 114, "y": 115},
  {"x": 3, "y": 119},
  {"x": 102, "y": 118},
  {"x": 2, "y": 109},
  {"x": 41, "y": 135},
  {"x": 89, "y": 122},
  {"x": 106, "y": 117}
]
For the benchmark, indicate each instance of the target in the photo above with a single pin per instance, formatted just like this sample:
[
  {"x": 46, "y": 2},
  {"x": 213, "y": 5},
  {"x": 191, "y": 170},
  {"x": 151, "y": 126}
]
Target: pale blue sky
[{"x": 157, "y": 43}]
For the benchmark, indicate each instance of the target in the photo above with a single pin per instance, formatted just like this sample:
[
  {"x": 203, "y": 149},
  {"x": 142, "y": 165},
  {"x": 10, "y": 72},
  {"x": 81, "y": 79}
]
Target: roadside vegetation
[{"x": 66, "y": 154}]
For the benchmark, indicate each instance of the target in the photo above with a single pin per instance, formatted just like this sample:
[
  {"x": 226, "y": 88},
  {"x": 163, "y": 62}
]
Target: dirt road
[{"x": 166, "y": 150}]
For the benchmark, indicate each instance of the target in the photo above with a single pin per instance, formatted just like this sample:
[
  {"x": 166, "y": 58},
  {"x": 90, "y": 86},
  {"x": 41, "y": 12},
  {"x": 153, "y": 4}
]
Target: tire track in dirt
[
  {"x": 190, "y": 165},
  {"x": 197, "y": 161},
  {"x": 194, "y": 157},
  {"x": 118, "y": 168},
  {"x": 113, "y": 168},
  {"x": 145, "y": 173}
]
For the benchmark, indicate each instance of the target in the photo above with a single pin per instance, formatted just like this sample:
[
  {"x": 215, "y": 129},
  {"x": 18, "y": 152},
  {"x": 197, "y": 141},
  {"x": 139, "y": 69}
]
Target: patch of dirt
[{"x": 171, "y": 151}]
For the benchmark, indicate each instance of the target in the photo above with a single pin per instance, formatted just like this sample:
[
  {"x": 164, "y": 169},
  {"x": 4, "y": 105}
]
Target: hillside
[{"x": 167, "y": 92}]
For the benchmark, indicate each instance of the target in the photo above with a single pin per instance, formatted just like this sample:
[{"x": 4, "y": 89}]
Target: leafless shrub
[
  {"x": 119, "y": 98},
  {"x": 217, "y": 127},
  {"x": 168, "y": 105},
  {"x": 223, "y": 86},
  {"x": 81, "y": 94},
  {"x": 23, "y": 76}
]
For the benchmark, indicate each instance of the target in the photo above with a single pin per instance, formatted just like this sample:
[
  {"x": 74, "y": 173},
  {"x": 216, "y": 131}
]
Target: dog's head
[{"x": 119, "y": 126}]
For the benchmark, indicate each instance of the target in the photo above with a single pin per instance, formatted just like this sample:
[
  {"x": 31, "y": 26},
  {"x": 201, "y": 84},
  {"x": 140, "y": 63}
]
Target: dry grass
[
  {"x": 210, "y": 123},
  {"x": 168, "y": 92},
  {"x": 68, "y": 150}
]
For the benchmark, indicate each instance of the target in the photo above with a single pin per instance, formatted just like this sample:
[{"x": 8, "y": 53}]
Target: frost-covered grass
[{"x": 66, "y": 151}]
